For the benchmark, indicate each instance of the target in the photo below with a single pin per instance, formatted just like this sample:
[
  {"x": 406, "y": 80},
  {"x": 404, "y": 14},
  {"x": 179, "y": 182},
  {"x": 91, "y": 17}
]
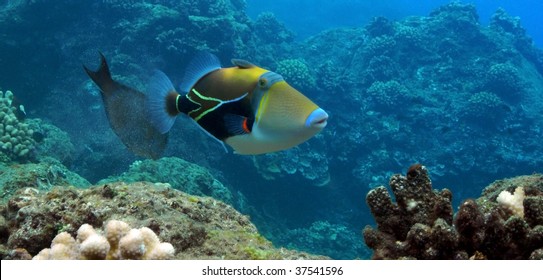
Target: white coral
[
  {"x": 120, "y": 242},
  {"x": 513, "y": 202}
]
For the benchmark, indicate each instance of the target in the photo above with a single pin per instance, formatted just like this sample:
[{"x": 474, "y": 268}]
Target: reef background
[{"x": 461, "y": 97}]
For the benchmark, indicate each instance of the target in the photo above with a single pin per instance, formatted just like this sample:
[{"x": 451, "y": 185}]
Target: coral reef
[
  {"x": 483, "y": 107},
  {"x": 179, "y": 174},
  {"x": 52, "y": 142},
  {"x": 118, "y": 242},
  {"x": 271, "y": 30},
  {"x": 36, "y": 177},
  {"x": 296, "y": 164},
  {"x": 334, "y": 240},
  {"x": 420, "y": 225},
  {"x": 296, "y": 72},
  {"x": 390, "y": 94},
  {"x": 16, "y": 136},
  {"x": 467, "y": 99},
  {"x": 504, "y": 80},
  {"x": 197, "y": 227}
]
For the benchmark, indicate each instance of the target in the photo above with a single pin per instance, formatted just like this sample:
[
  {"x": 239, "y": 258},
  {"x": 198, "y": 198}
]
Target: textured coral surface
[{"x": 420, "y": 224}]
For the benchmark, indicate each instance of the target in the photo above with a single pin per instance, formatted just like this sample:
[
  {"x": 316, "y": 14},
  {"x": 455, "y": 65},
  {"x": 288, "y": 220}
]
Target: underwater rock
[
  {"x": 197, "y": 227},
  {"x": 36, "y": 177},
  {"x": 420, "y": 224},
  {"x": 179, "y": 174},
  {"x": 52, "y": 142}
]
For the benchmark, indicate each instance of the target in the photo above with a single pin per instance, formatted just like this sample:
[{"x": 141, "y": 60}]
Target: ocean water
[
  {"x": 434, "y": 83},
  {"x": 306, "y": 17}
]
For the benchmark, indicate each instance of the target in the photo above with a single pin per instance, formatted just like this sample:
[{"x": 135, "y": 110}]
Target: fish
[
  {"x": 127, "y": 115},
  {"x": 251, "y": 109}
]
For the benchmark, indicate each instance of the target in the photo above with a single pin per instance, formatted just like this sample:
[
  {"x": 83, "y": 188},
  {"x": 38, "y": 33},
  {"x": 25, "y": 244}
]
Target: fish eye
[{"x": 262, "y": 82}]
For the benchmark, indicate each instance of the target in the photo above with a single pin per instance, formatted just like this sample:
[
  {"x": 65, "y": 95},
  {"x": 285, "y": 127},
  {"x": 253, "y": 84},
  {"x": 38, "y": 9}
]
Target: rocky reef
[
  {"x": 179, "y": 174},
  {"x": 197, "y": 227},
  {"x": 36, "y": 177},
  {"x": 421, "y": 224},
  {"x": 297, "y": 164}
]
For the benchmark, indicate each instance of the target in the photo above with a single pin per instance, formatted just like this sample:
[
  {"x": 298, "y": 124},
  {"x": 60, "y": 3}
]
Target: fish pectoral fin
[{"x": 238, "y": 125}]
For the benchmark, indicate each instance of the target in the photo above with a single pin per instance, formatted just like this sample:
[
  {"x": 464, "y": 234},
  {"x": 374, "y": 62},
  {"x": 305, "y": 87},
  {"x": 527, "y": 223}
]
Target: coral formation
[
  {"x": 420, "y": 224},
  {"x": 296, "y": 72},
  {"x": 118, "y": 242},
  {"x": 296, "y": 163},
  {"x": 16, "y": 139},
  {"x": 513, "y": 202},
  {"x": 52, "y": 142},
  {"x": 504, "y": 80},
  {"x": 270, "y": 30},
  {"x": 389, "y": 94},
  {"x": 485, "y": 107},
  {"x": 197, "y": 227},
  {"x": 334, "y": 240}
]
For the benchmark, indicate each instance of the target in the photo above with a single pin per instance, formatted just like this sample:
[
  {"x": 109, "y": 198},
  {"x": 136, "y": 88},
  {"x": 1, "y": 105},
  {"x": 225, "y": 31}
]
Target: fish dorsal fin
[
  {"x": 241, "y": 63},
  {"x": 202, "y": 64}
]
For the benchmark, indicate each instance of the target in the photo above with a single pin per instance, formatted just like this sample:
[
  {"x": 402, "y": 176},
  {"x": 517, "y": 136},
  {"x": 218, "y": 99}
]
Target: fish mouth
[{"x": 317, "y": 119}]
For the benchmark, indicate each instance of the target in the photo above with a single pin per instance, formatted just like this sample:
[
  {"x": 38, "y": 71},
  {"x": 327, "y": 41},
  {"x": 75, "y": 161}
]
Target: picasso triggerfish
[{"x": 251, "y": 109}]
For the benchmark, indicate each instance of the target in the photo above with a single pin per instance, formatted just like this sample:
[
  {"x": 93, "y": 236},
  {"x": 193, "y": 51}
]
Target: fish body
[
  {"x": 251, "y": 109},
  {"x": 126, "y": 112}
]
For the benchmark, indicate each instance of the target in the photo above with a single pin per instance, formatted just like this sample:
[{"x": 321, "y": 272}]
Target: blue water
[
  {"x": 465, "y": 103},
  {"x": 308, "y": 17}
]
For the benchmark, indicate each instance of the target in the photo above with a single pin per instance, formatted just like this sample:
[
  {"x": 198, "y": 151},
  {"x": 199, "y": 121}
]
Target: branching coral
[
  {"x": 420, "y": 224},
  {"x": 119, "y": 242}
]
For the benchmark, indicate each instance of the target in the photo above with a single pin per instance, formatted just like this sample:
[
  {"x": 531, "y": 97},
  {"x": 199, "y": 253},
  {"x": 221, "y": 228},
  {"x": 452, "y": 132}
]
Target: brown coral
[{"x": 420, "y": 224}]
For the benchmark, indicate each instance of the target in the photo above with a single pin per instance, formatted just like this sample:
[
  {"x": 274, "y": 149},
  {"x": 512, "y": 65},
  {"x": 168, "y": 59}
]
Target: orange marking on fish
[{"x": 244, "y": 126}]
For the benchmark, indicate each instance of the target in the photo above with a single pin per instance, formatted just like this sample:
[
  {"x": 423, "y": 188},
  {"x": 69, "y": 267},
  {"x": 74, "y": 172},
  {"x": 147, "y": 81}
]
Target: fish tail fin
[
  {"x": 161, "y": 102},
  {"x": 102, "y": 76}
]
